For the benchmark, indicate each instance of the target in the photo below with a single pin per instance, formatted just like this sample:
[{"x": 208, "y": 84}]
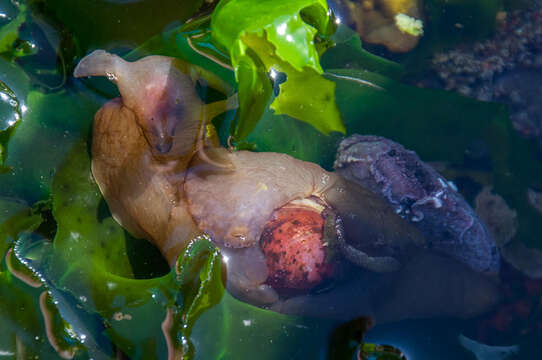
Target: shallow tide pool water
[{"x": 443, "y": 227}]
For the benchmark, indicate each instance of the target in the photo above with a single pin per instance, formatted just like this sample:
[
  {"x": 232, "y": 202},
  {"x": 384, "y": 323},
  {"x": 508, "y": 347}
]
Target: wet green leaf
[
  {"x": 369, "y": 351},
  {"x": 10, "y": 31},
  {"x": 87, "y": 267},
  {"x": 52, "y": 123},
  {"x": 10, "y": 115},
  {"x": 76, "y": 200},
  {"x": 240, "y": 330},
  {"x": 349, "y": 53},
  {"x": 22, "y": 332},
  {"x": 254, "y": 92},
  {"x": 14, "y": 85},
  {"x": 10, "y": 227},
  {"x": 271, "y": 37}
]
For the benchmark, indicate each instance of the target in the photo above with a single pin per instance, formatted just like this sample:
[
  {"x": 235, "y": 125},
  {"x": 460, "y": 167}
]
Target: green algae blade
[{"x": 278, "y": 37}]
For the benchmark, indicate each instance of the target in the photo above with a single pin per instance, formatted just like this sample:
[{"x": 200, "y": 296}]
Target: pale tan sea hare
[{"x": 166, "y": 179}]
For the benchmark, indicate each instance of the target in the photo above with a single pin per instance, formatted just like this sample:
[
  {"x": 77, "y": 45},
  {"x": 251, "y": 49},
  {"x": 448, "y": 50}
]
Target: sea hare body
[
  {"x": 420, "y": 195},
  {"x": 166, "y": 178}
]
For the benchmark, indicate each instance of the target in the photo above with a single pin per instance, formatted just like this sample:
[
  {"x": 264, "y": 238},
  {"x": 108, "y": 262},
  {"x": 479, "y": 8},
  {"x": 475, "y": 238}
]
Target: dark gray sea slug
[{"x": 420, "y": 195}]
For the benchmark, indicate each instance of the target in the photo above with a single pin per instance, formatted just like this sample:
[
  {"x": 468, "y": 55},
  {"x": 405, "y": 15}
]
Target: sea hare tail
[{"x": 422, "y": 197}]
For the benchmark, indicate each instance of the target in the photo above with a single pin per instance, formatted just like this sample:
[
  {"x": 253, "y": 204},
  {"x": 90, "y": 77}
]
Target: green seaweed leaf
[
  {"x": 49, "y": 128},
  {"x": 76, "y": 199},
  {"x": 254, "y": 92},
  {"x": 22, "y": 332},
  {"x": 270, "y": 37},
  {"x": 10, "y": 31},
  {"x": 10, "y": 114},
  {"x": 349, "y": 53},
  {"x": 89, "y": 274}
]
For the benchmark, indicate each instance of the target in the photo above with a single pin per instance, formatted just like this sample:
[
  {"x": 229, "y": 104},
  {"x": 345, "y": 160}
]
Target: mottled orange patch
[{"x": 295, "y": 253}]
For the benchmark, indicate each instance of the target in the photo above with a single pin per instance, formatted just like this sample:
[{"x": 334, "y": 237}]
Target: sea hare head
[
  {"x": 155, "y": 88},
  {"x": 421, "y": 196}
]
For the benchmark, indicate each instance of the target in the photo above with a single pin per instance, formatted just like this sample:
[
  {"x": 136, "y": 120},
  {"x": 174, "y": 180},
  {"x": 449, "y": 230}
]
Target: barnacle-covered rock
[{"x": 421, "y": 196}]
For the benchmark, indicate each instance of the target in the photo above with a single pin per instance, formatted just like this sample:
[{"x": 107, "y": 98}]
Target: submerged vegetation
[{"x": 74, "y": 283}]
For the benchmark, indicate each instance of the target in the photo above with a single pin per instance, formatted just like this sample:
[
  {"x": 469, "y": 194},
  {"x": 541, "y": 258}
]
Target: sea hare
[
  {"x": 420, "y": 195},
  {"x": 165, "y": 178}
]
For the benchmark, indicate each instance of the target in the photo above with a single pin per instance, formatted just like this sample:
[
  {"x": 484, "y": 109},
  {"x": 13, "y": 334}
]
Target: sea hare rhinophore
[
  {"x": 420, "y": 195},
  {"x": 283, "y": 225}
]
